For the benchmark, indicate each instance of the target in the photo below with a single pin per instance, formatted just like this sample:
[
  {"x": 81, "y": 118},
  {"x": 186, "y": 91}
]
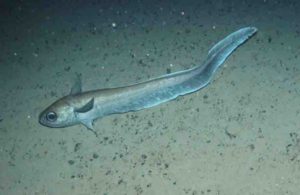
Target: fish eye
[{"x": 51, "y": 116}]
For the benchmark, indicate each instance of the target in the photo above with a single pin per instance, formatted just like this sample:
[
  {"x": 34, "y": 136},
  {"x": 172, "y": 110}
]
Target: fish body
[{"x": 84, "y": 107}]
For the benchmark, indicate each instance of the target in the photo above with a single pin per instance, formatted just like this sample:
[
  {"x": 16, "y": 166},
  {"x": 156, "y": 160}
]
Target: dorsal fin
[{"x": 76, "y": 88}]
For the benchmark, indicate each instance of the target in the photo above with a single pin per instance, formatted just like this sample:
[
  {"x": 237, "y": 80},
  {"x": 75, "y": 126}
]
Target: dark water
[{"x": 240, "y": 135}]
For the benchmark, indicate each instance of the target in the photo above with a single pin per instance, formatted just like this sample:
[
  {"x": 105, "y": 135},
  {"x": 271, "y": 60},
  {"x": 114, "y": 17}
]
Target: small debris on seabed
[{"x": 77, "y": 147}]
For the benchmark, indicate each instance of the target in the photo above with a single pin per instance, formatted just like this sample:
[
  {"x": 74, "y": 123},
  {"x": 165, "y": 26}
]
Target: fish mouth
[{"x": 42, "y": 120}]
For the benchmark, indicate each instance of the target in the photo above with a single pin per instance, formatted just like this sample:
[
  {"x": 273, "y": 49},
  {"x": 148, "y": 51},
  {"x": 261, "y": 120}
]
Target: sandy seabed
[{"x": 239, "y": 135}]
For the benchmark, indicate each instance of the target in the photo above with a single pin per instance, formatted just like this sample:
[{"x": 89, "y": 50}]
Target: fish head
[{"x": 59, "y": 114}]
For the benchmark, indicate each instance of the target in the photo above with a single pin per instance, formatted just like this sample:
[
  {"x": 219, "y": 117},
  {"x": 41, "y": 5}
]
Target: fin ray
[{"x": 77, "y": 86}]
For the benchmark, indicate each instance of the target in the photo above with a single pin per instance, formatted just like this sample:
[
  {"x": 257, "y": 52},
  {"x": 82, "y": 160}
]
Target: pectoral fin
[
  {"x": 84, "y": 117},
  {"x": 85, "y": 108}
]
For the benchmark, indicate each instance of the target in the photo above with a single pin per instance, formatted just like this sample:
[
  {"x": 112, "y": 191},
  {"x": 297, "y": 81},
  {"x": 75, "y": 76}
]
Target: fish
[{"x": 85, "y": 107}]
